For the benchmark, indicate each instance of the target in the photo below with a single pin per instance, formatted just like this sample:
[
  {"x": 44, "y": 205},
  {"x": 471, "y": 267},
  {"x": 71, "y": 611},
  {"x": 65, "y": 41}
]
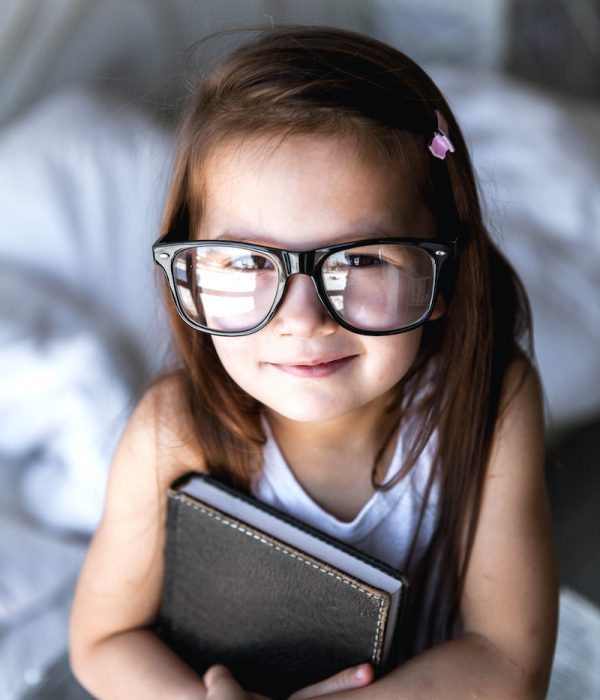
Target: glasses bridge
[{"x": 299, "y": 263}]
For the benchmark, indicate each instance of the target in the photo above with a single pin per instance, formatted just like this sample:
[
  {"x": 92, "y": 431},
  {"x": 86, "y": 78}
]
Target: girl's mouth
[{"x": 316, "y": 369}]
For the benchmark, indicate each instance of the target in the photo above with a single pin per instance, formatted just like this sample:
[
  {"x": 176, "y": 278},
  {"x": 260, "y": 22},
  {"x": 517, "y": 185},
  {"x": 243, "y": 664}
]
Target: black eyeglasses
[{"x": 376, "y": 286}]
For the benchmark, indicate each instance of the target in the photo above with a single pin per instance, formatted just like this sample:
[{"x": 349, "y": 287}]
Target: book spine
[{"x": 163, "y": 623}]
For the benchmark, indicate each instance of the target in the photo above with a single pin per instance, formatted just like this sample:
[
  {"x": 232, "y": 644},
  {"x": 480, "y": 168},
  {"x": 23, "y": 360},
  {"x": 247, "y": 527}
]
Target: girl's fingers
[
  {"x": 221, "y": 685},
  {"x": 216, "y": 674},
  {"x": 355, "y": 677}
]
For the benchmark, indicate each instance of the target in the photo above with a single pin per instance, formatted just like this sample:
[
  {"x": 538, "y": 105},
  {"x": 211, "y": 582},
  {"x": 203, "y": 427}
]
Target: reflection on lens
[
  {"x": 380, "y": 287},
  {"x": 225, "y": 288}
]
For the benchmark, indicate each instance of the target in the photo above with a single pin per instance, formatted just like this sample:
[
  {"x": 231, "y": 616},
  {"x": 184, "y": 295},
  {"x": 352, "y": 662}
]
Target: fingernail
[{"x": 359, "y": 674}]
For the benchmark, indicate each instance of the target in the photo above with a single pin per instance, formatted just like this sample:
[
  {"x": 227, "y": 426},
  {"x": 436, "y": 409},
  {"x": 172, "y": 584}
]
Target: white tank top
[
  {"x": 386, "y": 525},
  {"x": 384, "y": 528}
]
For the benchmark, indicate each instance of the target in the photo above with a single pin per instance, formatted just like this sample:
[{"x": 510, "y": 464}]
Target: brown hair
[{"x": 314, "y": 80}]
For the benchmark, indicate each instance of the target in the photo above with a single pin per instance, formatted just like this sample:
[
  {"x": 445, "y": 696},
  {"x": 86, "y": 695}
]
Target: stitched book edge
[{"x": 380, "y": 598}]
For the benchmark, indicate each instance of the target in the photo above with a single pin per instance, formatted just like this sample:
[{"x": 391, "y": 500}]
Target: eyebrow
[{"x": 353, "y": 235}]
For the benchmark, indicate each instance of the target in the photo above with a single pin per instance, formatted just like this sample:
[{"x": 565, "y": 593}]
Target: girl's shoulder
[
  {"x": 161, "y": 431},
  {"x": 521, "y": 386}
]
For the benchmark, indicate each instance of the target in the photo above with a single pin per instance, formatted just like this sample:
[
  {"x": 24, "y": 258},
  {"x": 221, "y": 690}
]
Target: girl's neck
[
  {"x": 333, "y": 460},
  {"x": 359, "y": 428}
]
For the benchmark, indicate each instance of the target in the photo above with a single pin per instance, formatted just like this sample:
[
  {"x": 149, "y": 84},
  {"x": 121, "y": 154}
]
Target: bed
[{"x": 84, "y": 164}]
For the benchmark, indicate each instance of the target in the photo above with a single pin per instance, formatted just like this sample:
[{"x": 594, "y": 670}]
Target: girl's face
[{"x": 304, "y": 193}]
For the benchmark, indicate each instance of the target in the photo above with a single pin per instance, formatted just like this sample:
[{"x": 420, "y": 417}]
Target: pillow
[
  {"x": 82, "y": 185},
  {"x": 537, "y": 156}
]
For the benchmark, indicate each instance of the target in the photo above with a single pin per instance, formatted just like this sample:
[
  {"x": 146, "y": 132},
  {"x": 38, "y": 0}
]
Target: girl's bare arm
[
  {"x": 114, "y": 653},
  {"x": 509, "y": 606}
]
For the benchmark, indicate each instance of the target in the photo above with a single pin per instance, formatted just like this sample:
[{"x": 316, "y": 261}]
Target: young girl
[{"x": 352, "y": 348}]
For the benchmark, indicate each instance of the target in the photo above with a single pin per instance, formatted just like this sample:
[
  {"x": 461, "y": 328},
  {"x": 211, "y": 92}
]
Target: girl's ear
[{"x": 439, "y": 309}]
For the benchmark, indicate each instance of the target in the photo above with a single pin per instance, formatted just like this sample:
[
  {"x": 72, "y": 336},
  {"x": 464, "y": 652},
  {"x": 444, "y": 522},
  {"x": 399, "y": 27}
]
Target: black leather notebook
[{"x": 281, "y": 604}]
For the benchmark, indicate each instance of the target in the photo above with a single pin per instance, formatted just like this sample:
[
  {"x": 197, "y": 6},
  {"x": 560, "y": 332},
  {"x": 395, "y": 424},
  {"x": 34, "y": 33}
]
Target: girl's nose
[{"x": 301, "y": 312}]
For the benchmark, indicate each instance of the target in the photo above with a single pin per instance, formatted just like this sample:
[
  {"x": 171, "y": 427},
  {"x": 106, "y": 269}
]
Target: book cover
[{"x": 281, "y": 604}]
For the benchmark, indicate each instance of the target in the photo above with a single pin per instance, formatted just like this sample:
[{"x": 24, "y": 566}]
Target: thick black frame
[{"x": 288, "y": 263}]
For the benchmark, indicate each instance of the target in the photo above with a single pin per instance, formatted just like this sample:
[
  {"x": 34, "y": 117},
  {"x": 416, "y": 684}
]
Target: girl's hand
[
  {"x": 350, "y": 678},
  {"x": 221, "y": 685}
]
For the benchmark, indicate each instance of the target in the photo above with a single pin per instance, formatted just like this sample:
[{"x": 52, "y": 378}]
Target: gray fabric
[
  {"x": 576, "y": 671},
  {"x": 58, "y": 684}
]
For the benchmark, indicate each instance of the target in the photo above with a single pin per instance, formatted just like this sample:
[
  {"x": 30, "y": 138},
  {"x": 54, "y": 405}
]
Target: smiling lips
[{"x": 315, "y": 368}]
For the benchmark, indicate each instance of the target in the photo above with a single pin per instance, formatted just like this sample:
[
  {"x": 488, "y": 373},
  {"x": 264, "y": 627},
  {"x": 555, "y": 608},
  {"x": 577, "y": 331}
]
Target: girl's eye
[
  {"x": 361, "y": 260},
  {"x": 252, "y": 263}
]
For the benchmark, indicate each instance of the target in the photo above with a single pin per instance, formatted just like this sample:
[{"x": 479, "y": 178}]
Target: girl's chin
[
  {"x": 300, "y": 416},
  {"x": 313, "y": 412}
]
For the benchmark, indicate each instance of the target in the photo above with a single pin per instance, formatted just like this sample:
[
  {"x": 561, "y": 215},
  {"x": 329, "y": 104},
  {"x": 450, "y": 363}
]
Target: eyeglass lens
[{"x": 375, "y": 287}]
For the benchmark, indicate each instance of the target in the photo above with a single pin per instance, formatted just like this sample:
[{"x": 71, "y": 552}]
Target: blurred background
[{"x": 89, "y": 94}]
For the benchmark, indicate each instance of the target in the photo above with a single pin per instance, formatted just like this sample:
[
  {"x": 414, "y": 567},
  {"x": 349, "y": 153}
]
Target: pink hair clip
[{"x": 440, "y": 144}]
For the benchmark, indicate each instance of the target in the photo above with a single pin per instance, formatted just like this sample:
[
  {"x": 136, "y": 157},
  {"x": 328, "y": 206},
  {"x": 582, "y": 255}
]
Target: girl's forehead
[{"x": 305, "y": 187}]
